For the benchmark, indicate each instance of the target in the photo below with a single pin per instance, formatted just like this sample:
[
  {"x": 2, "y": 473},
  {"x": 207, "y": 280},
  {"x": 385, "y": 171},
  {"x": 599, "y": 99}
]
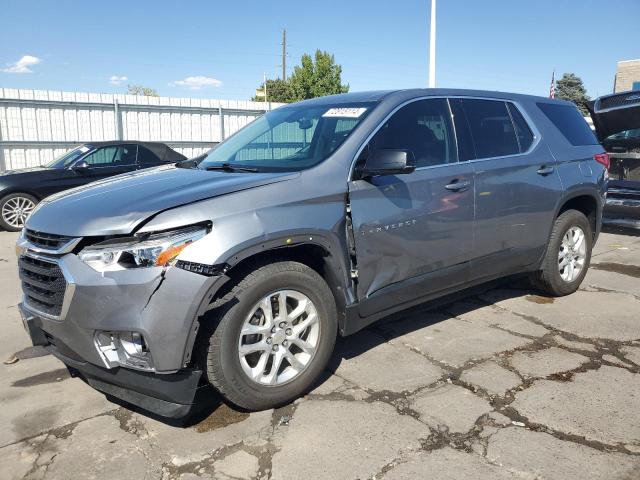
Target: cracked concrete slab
[
  {"x": 95, "y": 448},
  {"x": 192, "y": 445},
  {"x": 605, "y": 315},
  {"x": 490, "y": 376},
  {"x": 359, "y": 439},
  {"x": 496, "y": 317},
  {"x": 600, "y": 405},
  {"x": 375, "y": 365},
  {"x": 631, "y": 353},
  {"x": 450, "y": 407},
  {"x": 240, "y": 464},
  {"x": 454, "y": 342},
  {"x": 602, "y": 279},
  {"x": 589, "y": 415},
  {"x": 26, "y": 391},
  {"x": 437, "y": 465},
  {"x": 543, "y": 363},
  {"x": 587, "y": 347},
  {"x": 539, "y": 455}
]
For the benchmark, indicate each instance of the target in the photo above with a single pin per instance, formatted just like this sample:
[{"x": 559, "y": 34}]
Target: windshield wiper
[{"x": 227, "y": 167}]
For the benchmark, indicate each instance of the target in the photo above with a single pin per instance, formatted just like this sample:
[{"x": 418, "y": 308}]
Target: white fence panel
[{"x": 38, "y": 125}]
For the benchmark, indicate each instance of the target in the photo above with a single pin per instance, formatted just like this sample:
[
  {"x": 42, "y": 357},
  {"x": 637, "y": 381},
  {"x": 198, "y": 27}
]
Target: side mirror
[
  {"x": 80, "y": 167},
  {"x": 388, "y": 162}
]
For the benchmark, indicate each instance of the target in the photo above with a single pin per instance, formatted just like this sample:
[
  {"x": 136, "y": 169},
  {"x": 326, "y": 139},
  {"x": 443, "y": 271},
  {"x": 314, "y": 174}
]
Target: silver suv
[{"x": 238, "y": 270}]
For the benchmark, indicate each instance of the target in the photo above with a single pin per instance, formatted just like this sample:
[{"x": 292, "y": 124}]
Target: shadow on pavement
[
  {"x": 422, "y": 316},
  {"x": 211, "y": 412}
]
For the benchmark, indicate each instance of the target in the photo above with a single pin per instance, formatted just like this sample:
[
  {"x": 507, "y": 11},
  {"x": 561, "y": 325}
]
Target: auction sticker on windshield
[{"x": 348, "y": 112}]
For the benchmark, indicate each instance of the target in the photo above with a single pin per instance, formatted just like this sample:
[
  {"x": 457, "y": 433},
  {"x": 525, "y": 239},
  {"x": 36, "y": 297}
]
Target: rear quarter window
[{"x": 570, "y": 122}]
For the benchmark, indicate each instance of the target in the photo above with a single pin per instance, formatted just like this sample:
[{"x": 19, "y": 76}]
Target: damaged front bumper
[{"x": 160, "y": 305}]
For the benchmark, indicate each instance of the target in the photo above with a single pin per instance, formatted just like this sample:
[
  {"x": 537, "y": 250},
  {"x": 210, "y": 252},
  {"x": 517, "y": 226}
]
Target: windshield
[
  {"x": 289, "y": 138},
  {"x": 68, "y": 158},
  {"x": 635, "y": 133}
]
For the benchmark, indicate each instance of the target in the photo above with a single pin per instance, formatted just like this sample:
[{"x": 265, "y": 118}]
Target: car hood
[
  {"x": 26, "y": 171},
  {"x": 118, "y": 205},
  {"x": 616, "y": 113}
]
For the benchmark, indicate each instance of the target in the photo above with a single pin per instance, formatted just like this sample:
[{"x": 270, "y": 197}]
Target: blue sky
[{"x": 224, "y": 47}]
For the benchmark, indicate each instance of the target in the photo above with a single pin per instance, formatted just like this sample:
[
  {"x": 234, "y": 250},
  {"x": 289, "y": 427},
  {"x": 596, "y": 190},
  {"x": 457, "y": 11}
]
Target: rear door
[
  {"x": 517, "y": 185},
  {"x": 413, "y": 233}
]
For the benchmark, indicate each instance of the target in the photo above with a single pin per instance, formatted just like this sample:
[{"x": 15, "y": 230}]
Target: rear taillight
[{"x": 602, "y": 158}]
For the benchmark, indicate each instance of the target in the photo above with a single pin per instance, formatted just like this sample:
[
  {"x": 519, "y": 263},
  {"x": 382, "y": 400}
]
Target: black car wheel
[
  {"x": 568, "y": 255},
  {"x": 15, "y": 209}
]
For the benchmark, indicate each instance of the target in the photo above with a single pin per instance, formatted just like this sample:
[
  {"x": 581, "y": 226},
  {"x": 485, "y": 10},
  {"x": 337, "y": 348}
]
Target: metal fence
[{"x": 38, "y": 125}]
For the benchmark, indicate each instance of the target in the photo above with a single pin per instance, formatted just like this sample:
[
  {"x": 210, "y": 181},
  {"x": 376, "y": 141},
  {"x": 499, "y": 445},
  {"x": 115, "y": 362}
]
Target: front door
[{"x": 414, "y": 232}]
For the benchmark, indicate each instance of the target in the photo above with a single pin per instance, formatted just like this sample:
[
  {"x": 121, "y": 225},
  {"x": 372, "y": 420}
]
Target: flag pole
[{"x": 432, "y": 47}]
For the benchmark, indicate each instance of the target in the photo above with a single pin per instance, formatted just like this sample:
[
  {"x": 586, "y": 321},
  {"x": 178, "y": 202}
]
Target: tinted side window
[
  {"x": 491, "y": 128},
  {"x": 112, "y": 156},
  {"x": 147, "y": 157},
  {"x": 423, "y": 127},
  {"x": 523, "y": 132},
  {"x": 570, "y": 122}
]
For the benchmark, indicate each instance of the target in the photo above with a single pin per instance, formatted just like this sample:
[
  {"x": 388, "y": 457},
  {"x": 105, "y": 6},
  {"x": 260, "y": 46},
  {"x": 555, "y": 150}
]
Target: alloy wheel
[
  {"x": 16, "y": 210},
  {"x": 572, "y": 254},
  {"x": 279, "y": 338}
]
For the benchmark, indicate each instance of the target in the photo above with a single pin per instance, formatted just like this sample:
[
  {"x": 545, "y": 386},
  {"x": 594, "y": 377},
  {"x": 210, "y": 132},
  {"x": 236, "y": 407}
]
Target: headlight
[{"x": 155, "y": 250}]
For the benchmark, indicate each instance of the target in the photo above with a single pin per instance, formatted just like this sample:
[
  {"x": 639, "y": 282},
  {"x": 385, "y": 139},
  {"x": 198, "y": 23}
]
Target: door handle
[
  {"x": 457, "y": 186},
  {"x": 544, "y": 170}
]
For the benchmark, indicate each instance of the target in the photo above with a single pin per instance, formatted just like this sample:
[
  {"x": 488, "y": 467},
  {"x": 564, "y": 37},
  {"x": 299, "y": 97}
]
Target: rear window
[
  {"x": 491, "y": 128},
  {"x": 571, "y": 124}
]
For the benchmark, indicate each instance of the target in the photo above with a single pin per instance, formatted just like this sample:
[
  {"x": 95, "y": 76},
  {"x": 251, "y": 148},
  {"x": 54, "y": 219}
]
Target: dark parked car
[
  {"x": 21, "y": 190},
  {"x": 314, "y": 220},
  {"x": 617, "y": 122}
]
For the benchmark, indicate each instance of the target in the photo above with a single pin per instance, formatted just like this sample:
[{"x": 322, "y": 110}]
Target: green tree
[
  {"x": 278, "y": 90},
  {"x": 140, "y": 90},
  {"x": 315, "y": 77},
  {"x": 570, "y": 87}
]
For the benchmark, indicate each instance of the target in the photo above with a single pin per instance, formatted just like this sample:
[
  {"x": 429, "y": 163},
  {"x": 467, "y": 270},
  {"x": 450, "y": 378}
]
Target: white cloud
[
  {"x": 22, "y": 65},
  {"x": 196, "y": 83},
  {"x": 116, "y": 80}
]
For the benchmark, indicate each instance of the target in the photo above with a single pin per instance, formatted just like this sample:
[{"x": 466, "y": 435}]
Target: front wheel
[
  {"x": 276, "y": 332},
  {"x": 568, "y": 255},
  {"x": 15, "y": 209}
]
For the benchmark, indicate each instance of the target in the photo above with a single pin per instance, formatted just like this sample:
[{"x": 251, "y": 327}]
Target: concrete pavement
[{"x": 502, "y": 384}]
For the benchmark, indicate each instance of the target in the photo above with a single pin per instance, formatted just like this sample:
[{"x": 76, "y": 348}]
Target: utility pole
[
  {"x": 432, "y": 47},
  {"x": 284, "y": 54}
]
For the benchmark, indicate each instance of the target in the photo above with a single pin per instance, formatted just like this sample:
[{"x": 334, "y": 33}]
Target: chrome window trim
[
  {"x": 536, "y": 133},
  {"x": 24, "y": 245},
  {"x": 68, "y": 292}
]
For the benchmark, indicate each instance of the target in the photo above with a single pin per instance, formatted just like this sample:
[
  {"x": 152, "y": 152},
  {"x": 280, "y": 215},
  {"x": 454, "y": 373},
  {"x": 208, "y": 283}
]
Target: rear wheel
[
  {"x": 568, "y": 255},
  {"x": 275, "y": 335},
  {"x": 15, "y": 209}
]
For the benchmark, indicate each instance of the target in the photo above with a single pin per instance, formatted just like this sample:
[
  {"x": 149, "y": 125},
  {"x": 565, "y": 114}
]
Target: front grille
[
  {"x": 43, "y": 284},
  {"x": 47, "y": 241}
]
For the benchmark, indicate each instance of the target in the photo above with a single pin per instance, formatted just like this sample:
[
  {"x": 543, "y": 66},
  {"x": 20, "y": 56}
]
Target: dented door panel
[{"x": 410, "y": 225}]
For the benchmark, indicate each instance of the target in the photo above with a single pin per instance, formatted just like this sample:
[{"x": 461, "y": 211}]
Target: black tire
[
  {"x": 4, "y": 222},
  {"x": 219, "y": 339},
  {"x": 548, "y": 279}
]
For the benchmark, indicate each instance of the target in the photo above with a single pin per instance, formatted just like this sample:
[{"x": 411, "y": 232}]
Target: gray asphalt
[{"x": 501, "y": 384}]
